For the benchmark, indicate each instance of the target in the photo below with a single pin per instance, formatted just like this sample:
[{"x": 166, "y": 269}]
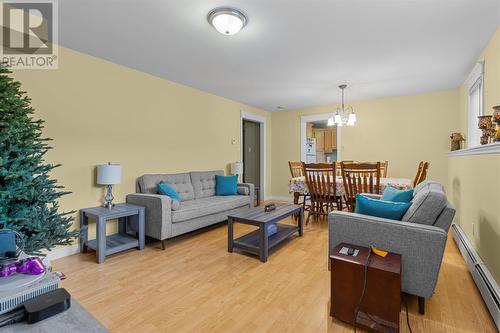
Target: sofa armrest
[
  {"x": 421, "y": 246},
  {"x": 247, "y": 188},
  {"x": 158, "y": 213}
]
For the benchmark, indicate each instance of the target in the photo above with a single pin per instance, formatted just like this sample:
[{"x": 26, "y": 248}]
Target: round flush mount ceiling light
[{"x": 228, "y": 21}]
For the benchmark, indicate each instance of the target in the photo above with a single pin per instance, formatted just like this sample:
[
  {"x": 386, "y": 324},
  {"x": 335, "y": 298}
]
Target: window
[{"x": 475, "y": 104}]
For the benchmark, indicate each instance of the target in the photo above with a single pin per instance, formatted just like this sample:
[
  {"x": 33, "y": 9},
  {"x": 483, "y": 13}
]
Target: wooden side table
[
  {"x": 129, "y": 217},
  {"x": 381, "y": 305}
]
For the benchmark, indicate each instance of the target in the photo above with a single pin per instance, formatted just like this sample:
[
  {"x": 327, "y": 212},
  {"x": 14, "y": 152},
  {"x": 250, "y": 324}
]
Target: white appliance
[{"x": 311, "y": 151}]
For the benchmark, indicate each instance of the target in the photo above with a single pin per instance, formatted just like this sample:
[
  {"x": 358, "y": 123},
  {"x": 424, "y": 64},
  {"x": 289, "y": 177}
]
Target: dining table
[{"x": 298, "y": 184}]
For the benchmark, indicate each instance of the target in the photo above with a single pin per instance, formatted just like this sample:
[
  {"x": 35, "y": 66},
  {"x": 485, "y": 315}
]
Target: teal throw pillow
[
  {"x": 168, "y": 190},
  {"x": 379, "y": 208},
  {"x": 393, "y": 194},
  {"x": 226, "y": 185}
]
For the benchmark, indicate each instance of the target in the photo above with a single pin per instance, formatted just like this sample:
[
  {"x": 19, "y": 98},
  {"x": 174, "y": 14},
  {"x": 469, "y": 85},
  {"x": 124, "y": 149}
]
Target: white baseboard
[
  {"x": 287, "y": 199},
  {"x": 63, "y": 251}
]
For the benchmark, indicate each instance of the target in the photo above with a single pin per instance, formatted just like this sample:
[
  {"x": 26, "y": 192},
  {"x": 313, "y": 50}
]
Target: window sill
[{"x": 491, "y": 148}]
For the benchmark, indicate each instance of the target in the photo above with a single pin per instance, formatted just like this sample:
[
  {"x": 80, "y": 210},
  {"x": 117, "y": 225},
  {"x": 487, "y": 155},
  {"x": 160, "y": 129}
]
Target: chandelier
[{"x": 344, "y": 115}]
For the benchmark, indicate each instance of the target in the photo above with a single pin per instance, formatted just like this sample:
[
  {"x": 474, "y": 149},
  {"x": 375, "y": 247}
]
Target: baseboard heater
[{"x": 482, "y": 277}]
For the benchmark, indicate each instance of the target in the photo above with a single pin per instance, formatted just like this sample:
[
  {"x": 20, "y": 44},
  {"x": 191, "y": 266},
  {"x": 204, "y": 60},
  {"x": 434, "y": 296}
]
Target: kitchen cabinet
[{"x": 326, "y": 139}]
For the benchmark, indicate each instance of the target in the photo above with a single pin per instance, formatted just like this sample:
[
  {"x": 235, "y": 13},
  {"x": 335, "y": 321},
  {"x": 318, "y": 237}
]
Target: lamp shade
[
  {"x": 109, "y": 174},
  {"x": 237, "y": 168}
]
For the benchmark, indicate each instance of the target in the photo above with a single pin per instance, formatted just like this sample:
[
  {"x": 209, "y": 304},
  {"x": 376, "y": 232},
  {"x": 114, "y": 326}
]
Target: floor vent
[{"x": 482, "y": 277}]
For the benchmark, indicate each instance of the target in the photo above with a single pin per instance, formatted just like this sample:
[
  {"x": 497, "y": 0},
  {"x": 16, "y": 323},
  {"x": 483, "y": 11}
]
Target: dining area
[{"x": 323, "y": 187}]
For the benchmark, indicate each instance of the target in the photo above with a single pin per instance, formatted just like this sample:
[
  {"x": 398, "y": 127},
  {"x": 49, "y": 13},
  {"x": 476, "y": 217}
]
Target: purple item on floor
[
  {"x": 272, "y": 228},
  {"x": 32, "y": 266}
]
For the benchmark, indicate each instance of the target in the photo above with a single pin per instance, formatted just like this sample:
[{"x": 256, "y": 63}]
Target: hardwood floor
[{"x": 195, "y": 285}]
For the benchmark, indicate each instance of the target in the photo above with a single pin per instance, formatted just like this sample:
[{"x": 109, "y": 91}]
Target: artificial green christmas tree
[{"x": 28, "y": 196}]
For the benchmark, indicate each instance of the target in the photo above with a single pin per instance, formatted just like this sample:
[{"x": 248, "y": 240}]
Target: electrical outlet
[{"x": 233, "y": 141}]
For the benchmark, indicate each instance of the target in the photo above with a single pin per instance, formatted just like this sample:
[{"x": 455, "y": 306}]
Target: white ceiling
[{"x": 292, "y": 53}]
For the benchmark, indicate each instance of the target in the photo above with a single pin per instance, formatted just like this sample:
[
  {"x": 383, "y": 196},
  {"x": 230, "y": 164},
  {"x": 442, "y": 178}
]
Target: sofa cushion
[
  {"x": 226, "y": 185},
  {"x": 204, "y": 183},
  {"x": 168, "y": 190},
  {"x": 181, "y": 182},
  {"x": 206, "y": 206},
  {"x": 427, "y": 205}
]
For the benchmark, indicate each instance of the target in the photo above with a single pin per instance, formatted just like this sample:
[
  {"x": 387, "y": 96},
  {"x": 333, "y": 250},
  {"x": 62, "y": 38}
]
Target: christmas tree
[{"x": 28, "y": 196}]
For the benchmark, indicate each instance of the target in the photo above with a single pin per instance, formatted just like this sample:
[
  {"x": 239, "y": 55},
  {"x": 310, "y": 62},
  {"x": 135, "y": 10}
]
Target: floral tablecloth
[{"x": 298, "y": 184}]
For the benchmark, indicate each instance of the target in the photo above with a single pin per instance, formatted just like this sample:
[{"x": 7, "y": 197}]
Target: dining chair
[
  {"x": 321, "y": 182},
  {"x": 297, "y": 171},
  {"x": 339, "y": 169},
  {"x": 421, "y": 173},
  {"x": 359, "y": 178},
  {"x": 383, "y": 168}
]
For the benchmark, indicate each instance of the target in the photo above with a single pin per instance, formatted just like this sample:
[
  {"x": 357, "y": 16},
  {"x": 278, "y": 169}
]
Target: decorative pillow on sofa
[
  {"x": 393, "y": 194},
  {"x": 379, "y": 208},
  {"x": 168, "y": 190},
  {"x": 226, "y": 185}
]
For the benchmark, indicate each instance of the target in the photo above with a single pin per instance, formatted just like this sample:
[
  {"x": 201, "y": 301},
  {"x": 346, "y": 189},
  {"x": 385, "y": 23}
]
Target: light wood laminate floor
[{"x": 195, "y": 285}]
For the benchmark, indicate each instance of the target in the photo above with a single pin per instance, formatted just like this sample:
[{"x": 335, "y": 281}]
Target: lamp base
[{"x": 109, "y": 197}]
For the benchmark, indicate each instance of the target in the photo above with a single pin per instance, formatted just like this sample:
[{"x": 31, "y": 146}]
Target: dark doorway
[{"x": 251, "y": 152}]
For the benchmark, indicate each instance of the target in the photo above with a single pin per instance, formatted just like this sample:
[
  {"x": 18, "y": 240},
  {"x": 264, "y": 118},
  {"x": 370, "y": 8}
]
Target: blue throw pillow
[
  {"x": 226, "y": 185},
  {"x": 168, "y": 190},
  {"x": 379, "y": 208},
  {"x": 393, "y": 194}
]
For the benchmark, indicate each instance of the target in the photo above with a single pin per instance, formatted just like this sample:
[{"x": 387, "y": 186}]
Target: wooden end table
[
  {"x": 129, "y": 217},
  {"x": 380, "y": 309},
  {"x": 258, "y": 242}
]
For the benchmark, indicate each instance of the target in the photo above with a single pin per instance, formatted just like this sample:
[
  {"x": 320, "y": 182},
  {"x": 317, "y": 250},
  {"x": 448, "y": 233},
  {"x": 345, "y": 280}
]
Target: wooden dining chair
[
  {"x": 421, "y": 173},
  {"x": 383, "y": 168},
  {"x": 297, "y": 171},
  {"x": 321, "y": 182},
  {"x": 359, "y": 178},
  {"x": 339, "y": 169}
]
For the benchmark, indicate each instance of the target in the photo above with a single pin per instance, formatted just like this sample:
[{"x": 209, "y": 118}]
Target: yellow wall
[
  {"x": 97, "y": 111},
  {"x": 475, "y": 180},
  {"x": 402, "y": 130}
]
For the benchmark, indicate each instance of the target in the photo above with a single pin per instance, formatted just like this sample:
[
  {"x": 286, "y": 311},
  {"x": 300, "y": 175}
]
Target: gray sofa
[
  {"x": 199, "y": 206},
  {"x": 420, "y": 237}
]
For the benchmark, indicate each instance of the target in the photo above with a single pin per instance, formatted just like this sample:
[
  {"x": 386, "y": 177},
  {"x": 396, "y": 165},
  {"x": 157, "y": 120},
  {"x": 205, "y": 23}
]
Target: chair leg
[
  {"x": 421, "y": 305},
  {"x": 163, "y": 244}
]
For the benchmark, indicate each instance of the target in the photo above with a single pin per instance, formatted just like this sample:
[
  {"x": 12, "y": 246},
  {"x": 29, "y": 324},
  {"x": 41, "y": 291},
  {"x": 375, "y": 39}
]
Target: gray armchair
[{"x": 420, "y": 237}]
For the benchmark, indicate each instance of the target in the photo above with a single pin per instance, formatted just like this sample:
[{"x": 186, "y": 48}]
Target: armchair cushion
[
  {"x": 379, "y": 208},
  {"x": 427, "y": 205},
  {"x": 394, "y": 194}
]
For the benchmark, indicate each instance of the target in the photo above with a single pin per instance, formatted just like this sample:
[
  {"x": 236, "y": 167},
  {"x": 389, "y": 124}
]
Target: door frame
[
  {"x": 303, "y": 134},
  {"x": 244, "y": 115}
]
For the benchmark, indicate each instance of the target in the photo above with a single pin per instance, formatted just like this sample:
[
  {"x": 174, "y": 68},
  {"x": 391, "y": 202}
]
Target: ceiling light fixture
[
  {"x": 344, "y": 115},
  {"x": 228, "y": 21}
]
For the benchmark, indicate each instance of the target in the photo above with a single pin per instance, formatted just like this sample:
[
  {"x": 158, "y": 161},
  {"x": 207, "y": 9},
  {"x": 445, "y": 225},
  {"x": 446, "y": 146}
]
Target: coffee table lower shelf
[{"x": 251, "y": 242}]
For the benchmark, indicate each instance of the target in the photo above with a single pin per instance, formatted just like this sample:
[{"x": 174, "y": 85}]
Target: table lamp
[
  {"x": 109, "y": 175},
  {"x": 237, "y": 169}
]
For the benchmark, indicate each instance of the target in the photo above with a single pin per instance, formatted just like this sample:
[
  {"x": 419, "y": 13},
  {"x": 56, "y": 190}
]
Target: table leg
[
  {"x": 301, "y": 221},
  {"x": 101, "y": 239},
  {"x": 84, "y": 232},
  {"x": 122, "y": 225},
  {"x": 230, "y": 235},
  {"x": 264, "y": 243},
  {"x": 141, "y": 229}
]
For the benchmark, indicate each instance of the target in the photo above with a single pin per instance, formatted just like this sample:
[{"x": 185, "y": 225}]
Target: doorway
[
  {"x": 251, "y": 152},
  {"x": 320, "y": 143}
]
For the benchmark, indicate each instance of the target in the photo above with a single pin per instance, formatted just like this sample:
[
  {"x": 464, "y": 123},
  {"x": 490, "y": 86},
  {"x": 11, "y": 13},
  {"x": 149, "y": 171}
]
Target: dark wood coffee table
[
  {"x": 379, "y": 311},
  {"x": 258, "y": 242}
]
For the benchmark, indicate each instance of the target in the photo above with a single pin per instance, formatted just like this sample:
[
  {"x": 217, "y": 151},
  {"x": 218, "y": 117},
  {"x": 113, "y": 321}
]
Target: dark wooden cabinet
[{"x": 380, "y": 308}]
